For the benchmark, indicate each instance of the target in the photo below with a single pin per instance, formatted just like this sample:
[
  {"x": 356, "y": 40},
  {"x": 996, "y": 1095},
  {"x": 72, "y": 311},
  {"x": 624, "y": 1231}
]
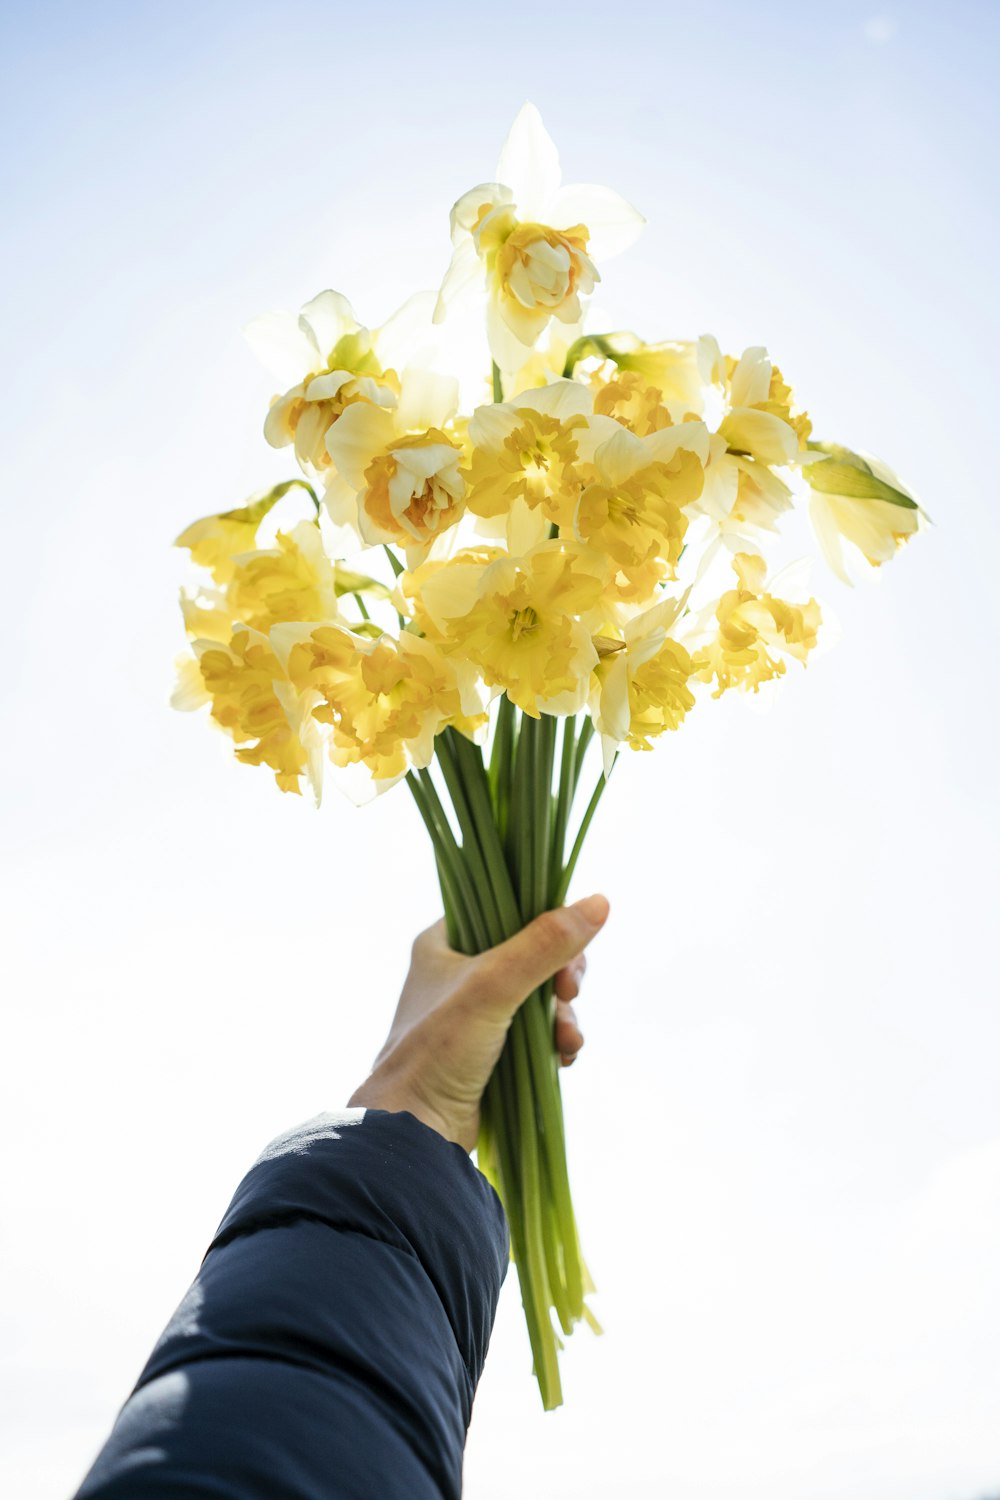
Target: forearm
[{"x": 333, "y": 1339}]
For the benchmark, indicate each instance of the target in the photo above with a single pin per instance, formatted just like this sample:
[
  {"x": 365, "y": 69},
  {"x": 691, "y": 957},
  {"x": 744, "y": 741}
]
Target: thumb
[{"x": 512, "y": 970}]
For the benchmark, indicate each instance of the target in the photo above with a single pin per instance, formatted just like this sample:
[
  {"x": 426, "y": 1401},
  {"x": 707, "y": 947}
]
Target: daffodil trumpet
[{"x": 467, "y": 594}]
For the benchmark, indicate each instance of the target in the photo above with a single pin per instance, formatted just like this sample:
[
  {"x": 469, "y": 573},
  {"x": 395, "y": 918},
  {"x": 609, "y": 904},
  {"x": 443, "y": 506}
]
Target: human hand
[{"x": 455, "y": 1010}]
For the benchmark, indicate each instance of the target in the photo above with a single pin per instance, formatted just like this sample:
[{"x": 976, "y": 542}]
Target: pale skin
[{"x": 454, "y": 1013}]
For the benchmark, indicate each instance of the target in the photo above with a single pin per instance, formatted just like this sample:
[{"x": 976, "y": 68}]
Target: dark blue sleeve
[{"x": 331, "y": 1344}]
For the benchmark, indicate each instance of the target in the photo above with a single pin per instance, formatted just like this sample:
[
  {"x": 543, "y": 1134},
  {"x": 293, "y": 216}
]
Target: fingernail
[{"x": 594, "y": 909}]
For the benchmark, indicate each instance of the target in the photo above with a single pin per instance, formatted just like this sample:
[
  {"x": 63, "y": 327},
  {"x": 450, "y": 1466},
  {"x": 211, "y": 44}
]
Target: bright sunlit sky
[{"x": 785, "y": 1129}]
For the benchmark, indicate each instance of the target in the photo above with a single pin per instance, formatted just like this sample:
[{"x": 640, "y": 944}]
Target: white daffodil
[
  {"x": 397, "y": 473},
  {"x": 858, "y": 500},
  {"x": 329, "y": 361},
  {"x": 530, "y": 242}
]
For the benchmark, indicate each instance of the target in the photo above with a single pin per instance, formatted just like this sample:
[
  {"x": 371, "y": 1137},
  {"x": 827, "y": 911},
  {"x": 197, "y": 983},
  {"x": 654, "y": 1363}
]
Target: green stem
[
  {"x": 472, "y": 844},
  {"x": 546, "y": 1361},
  {"x": 394, "y": 562},
  {"x": 462, "y": 928},
  {"x": 477, "y": 788},
  {"x": 501, "y": 760},
  {"x": 586, "y": 735},
  {"x": 564, "y": 801},
  {"x": 531, "y": 808},
  {"x": 465, "y": 869},
  {"x": 497, "y": 382},
  {"x": 506, "y": 871},
  {"x": 567, "y": 874},
  {"x": 544, "y": 753}
]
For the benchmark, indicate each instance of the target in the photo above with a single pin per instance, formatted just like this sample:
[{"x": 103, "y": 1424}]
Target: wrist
[{"x": 395, "y": 1098}]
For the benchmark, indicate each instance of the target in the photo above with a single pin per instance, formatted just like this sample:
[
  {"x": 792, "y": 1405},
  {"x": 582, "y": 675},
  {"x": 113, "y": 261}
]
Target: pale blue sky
[{"x": 786, "y": 1138}]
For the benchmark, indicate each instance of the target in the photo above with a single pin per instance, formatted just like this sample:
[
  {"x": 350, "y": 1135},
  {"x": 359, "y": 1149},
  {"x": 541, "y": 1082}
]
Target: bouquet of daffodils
[{"x": 466, "y": 586}]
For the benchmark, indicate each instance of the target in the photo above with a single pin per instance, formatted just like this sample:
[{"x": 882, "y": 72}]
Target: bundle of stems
[{"x": 501, "y": 861}]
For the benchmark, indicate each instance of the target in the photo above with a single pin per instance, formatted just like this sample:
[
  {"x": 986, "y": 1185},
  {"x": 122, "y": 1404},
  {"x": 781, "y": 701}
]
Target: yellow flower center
[
  {"x": 522, "y": 631},
  {"x": 415, "y": 489},
  {"x": 523, "y": 622},
  {"x": 641, "y": 519},
  {"x": 535, "y": 463},
  {"x": 539, "y": 267},
  {"x": 304, "y": 415}
]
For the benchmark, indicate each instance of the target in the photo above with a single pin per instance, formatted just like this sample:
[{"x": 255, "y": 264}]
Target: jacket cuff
[{"x": 389, "y": 1176}]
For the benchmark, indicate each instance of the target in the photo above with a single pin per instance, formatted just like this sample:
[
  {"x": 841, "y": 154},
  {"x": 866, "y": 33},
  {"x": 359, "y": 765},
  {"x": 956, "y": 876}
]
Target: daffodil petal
[
  {"x": 563, "y": 399},
  {"x": 282, "y": 347},
  {"x": 426, "y": 399},
  {"x": 619, "y": 458},
  {"x": 189, "y": 690},
  {"x": 509, "y": 352},
  {"x": 325, "y": 387},
  {"x": 493, "y": 423},
  {"x": 463, "y": 271},
  {"x": 529, "y": 164},
  {"x": 329, "y": 316},
  {"x": 612, "y": 223},
  {"x": 466, "y": 211},
  {"x": 360, "y": 431},
  {"x": 526, "y": 527},
  {"x": 612, "y": 718},
  {"x": 760, "y": 433},
  {"x": 690, "y": 437},
  {"x": 751, "y": 379},
  {"x": 407, "y": 331}
]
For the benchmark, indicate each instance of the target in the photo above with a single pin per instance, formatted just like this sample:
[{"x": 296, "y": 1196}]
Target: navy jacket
[{"x": 331, "y": 1344}]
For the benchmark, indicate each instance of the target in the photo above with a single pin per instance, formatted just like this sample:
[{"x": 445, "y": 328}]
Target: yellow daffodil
[
  {"x": 523, "y": 465},
  {"x": 215, "y": 541},
  {"x": 530, "y": 242},
  {"x": 419, "y": 596},
  {"x": 253, "y": 701},
  {"x": 631, "y": 506},
  {"x": 293, "y": 580},
  {"x": 384, "y": 699},
  {"x": 860, "y": 501},
  {"x": 331, "y": 363},
  {"x": 680, "y": 372},
  {"x": 640, "y": 685},
  {"x": 518, "y": 620},
  {"x": 754, "y": 632},
  {"x": 633, "y": 402},
  {"x": 399, "y": 474},
  {"x": 206, "y": 614},
  {"x": 759, "y": 420},
  {"x": 758, "y": 429}
]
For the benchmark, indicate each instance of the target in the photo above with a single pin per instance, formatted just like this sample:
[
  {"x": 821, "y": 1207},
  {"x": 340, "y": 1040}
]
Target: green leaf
[
  {"x": 256, "y": 510},
  {"x": 841, "y": 472}
]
